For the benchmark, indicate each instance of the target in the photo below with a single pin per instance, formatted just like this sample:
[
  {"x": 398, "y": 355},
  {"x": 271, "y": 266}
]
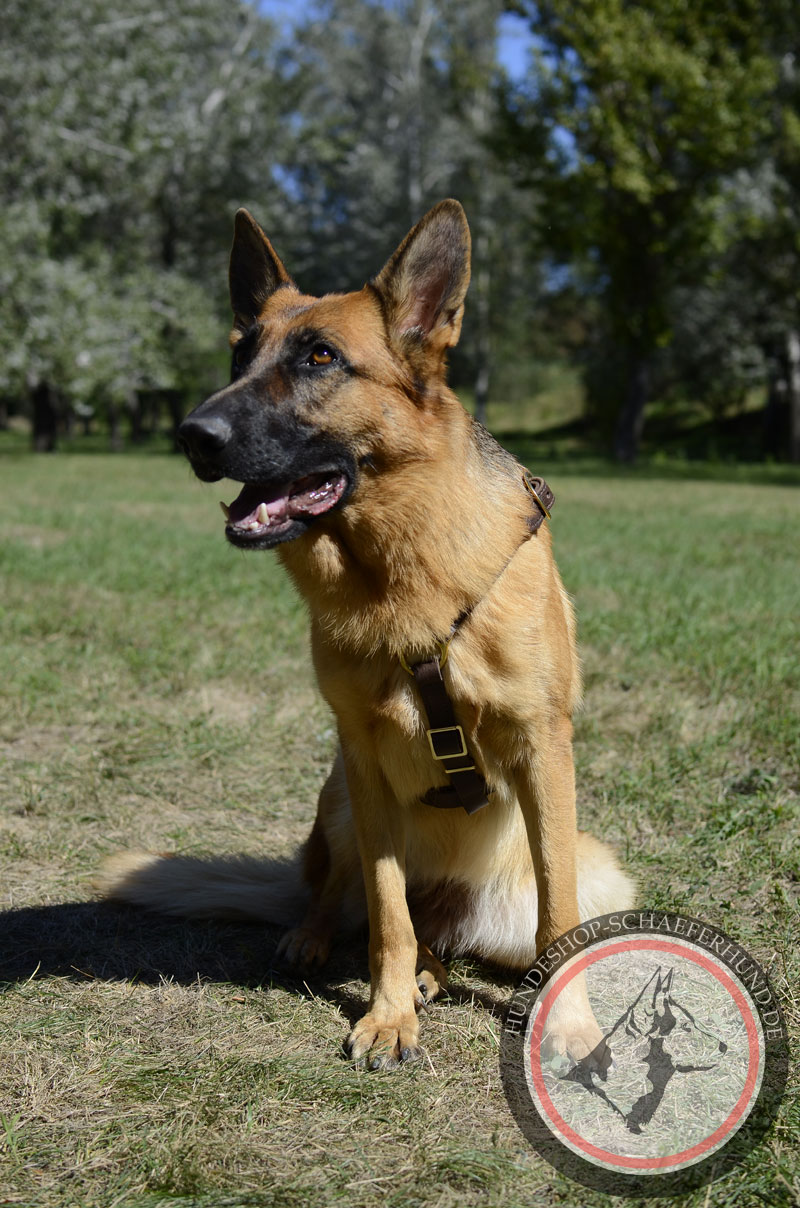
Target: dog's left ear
[
  {"x": 425, "y": 282},
  {"x": 255, "y": 270}
]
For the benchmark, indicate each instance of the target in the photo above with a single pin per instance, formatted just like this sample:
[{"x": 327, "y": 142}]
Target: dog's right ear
[{"x": 255, "y": 270}]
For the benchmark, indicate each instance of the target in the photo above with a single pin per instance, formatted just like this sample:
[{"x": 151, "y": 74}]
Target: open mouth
[{"x": 267, "y": 510}]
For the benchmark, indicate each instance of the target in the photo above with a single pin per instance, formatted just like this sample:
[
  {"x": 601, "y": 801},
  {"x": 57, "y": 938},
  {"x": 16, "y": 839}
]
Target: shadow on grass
[
  {"x": 109, "y": 942},
  {"x": 89, "y": 941}
]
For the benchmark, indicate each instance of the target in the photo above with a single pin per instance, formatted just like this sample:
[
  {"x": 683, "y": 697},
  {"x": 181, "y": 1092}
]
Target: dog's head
[{"x": 325, "y": 389}]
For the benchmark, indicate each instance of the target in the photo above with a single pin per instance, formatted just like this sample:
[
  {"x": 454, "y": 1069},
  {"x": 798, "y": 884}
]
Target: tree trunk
[
  {"x": 153, "y": 413},
  {"x": 482, "y": 286},
  {"x": 775, "y": 403},
  {"x": 133, "y": 405},
  {"x": 175, "y": 405},
  {"x": 479, "y": 121},
  {"x": 45, "y": 418},
  {"x": 630, "y": 424},
  {"x": 416, "y": 117},
  {"x": 115, "y": 428},
  {"x": 793, "y": 384}
]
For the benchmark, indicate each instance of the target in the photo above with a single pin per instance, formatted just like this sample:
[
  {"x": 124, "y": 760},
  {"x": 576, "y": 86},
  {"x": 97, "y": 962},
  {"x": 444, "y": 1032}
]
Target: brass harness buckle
[{"x": 452, "y": 754}]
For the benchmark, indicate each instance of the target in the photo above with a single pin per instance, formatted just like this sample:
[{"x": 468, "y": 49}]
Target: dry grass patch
[{"x": 158, "y": 693}]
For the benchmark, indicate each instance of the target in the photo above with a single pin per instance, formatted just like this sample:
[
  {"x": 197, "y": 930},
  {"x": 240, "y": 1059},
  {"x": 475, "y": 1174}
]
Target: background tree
[
  {"x": 767, "y": 252},
  {"x": 129, "y": 136},
  {"x": 648, "y": 108},
  {"x": 633, "y": 205},
  {"x": 396, "y": 106}
]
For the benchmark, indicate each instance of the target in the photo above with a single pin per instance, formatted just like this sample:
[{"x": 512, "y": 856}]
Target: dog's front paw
[
  {"x": 382, "y": 1040},
  {"x": 303, "y": 947},
  {"x": 580, "y": 1042},
  {"x": 571, "y": 1030}
]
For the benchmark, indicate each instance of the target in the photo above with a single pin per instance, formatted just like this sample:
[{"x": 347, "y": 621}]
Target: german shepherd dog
[{"x": 405, "y": 527}]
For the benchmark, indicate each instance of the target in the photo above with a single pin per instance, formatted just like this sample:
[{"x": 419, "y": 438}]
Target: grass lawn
[{"x": 157, "y": 693}]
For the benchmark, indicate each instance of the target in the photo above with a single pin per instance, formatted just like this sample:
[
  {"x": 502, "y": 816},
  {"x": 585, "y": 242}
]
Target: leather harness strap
[
  {"x": 448, "y": 745},
  {"x": 467, "y": 787}
]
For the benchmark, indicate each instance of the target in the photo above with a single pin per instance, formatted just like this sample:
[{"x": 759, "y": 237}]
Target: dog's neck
[{"x": 418, "y": 545}]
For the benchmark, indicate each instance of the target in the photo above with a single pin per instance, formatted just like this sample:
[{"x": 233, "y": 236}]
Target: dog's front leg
[
  {"x": 388, "y": 1033},
  {"x": 546, "y": 791}
]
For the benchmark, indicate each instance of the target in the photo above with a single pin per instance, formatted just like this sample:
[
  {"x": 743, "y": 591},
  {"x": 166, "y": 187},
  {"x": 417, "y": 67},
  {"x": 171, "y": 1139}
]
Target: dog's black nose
[{"x": 204, "y": 434}]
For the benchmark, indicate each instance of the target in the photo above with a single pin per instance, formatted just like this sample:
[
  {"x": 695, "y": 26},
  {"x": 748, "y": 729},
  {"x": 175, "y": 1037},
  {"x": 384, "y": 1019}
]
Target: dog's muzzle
[{"x": 292, "y": 473}]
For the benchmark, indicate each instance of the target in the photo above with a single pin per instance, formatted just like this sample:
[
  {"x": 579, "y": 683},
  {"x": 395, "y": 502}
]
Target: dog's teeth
[
  {"x": 226, "y": 511},
  {"x": 252, "y": 526},
  {"x": 262, "y": 515}
]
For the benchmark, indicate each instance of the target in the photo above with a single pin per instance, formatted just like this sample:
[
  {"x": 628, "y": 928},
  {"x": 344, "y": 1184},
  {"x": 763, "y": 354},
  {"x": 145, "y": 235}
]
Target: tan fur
[{"x": 436, "y": 525}]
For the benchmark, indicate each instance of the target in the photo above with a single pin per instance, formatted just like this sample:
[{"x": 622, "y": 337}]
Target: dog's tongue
[{"x": 261, "y": 505}]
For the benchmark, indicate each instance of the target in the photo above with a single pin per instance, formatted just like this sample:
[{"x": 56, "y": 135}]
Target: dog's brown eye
[
  {"x": 240, "y": 356},
  {"x": 321, "y": 355}
]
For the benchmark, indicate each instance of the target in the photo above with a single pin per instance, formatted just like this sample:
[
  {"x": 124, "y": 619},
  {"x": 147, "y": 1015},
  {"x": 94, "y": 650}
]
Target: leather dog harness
[{"x": 466, "y": 786}]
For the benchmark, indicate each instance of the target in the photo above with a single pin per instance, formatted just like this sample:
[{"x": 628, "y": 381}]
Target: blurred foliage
[
  {"x": 668, "y": 126},
  {"x": 633, "y": 198},
  {"x": 129, "y": 135}
]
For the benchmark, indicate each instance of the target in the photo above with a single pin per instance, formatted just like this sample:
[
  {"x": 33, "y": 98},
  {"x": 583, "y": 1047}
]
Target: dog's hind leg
[
  {"x": 309, "y": 943},
  {"x": 431, "y": 974},
  {"x": 332, "y": 872}
]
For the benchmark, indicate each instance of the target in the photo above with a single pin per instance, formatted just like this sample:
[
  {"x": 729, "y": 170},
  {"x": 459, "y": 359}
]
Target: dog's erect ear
[
  {"x": 424, "y": 283},
  {"x": 255, "y": 270}
]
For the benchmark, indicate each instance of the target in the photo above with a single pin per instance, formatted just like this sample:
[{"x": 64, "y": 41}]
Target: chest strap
[{"x": 466, "y": 788}]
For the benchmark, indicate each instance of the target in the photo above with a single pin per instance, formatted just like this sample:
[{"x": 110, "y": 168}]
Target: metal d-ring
[
  {"x": 526, "y": 478},
  {"x": 444, "y": 650}
]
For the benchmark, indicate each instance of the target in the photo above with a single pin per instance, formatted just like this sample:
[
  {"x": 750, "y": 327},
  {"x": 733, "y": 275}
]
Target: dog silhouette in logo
[{"x": 654, "y": 1039}]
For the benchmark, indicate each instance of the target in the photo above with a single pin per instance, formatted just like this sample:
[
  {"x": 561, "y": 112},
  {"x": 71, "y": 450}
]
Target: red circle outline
[{"x": 719, "y": 1133}]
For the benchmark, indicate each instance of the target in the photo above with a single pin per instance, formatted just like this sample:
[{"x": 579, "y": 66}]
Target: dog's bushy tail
[
  {"x": 220, "y": 887},
  {"x": 603, "y": 885}
]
